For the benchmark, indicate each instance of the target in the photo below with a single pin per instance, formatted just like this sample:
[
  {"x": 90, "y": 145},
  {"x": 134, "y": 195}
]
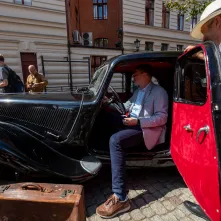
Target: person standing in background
[
  {"x": 3, "y": 74},
  {"x": 36, "y": 82}
]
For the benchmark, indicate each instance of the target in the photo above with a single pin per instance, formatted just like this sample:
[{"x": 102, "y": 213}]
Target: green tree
[{"x": 190, "y": 8}]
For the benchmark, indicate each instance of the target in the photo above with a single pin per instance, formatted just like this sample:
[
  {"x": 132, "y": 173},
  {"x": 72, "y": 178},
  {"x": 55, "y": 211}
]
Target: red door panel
[{"x": 193, "y": 143}]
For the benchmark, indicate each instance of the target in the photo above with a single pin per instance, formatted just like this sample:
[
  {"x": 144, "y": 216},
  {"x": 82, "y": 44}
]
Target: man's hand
[
  {"x": 190, "y": 47},
  {"x": 36, "y": 85},
  {"x": 29, "y": 86},
  {"x": 130, "y": 121},
  {"x": 198, "y": 55}
]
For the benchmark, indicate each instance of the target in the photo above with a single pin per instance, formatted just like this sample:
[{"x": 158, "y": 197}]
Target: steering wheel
[{"x": 116, "y": 102}]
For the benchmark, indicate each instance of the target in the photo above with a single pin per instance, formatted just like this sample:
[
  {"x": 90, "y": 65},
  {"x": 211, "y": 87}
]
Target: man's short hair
[
  {"x": 2, "y": 58},
  {"x": 145, "y": 68}
]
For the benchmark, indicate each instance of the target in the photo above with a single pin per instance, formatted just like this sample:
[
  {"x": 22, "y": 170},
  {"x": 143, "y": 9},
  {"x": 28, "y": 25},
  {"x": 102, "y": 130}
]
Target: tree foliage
[{"x": 190, "y": 8}]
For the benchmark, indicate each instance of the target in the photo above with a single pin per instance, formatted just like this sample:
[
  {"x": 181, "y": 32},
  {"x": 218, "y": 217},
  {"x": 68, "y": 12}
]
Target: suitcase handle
[{"x": 34, "y": 186}]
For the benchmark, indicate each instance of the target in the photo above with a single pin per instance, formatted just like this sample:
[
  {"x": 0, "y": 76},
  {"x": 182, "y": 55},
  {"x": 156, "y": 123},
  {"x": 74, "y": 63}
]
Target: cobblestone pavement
[{"x": 155, "y": 194}]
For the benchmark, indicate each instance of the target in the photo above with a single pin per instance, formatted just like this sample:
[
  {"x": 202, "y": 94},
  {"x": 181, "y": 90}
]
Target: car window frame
[{"x": 177, "y": 78}]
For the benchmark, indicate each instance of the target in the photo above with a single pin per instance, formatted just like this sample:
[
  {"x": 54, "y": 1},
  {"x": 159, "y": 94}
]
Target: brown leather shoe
[{"x": 112, "y": 207}]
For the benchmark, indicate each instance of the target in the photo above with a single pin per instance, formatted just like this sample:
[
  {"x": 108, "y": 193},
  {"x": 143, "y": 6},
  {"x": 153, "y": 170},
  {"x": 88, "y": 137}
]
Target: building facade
[
  {"x": 154, "y": 27},
  {"x": 30, "y": 29},
  {"x": 101, "y": 29},
  {"x": 93, "y": 33},
  {"x": 85, "y": 32}
]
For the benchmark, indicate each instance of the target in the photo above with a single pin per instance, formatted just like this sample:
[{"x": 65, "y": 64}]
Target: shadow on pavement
[{"x": 144, "y": 187}]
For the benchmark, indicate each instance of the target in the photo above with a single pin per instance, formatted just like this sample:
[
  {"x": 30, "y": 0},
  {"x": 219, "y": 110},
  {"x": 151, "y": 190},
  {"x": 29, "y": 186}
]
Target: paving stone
[
  {"x": 156, "y": 218},
  {"x": 91, "y": 210},
  {"x": 158, "y": 186},
  {"x": 192, "y": 199},
  {"x": 186, "y": 219},
  {"x": 161, "y": 199},
  {"x": 151, "y": 189},
  {"x": 149, "y": 198},
  {"x": 168, "y": 205},
  {"x": 96, "y": 218},
  {"x": 114, "y": 219},
  {"x": 195, "y": 218},
  {"x": 178, "y": 184},
  {"x": 139, "y": 202},
  {"x": 141, "y": 191},
  {"x": 133, "y": 206},
  {"x": 169, "y": 194},
  {"x": 176, "y": 192},
  {"x": 158, "y": 195},
  {"x": 178, "y": 214},
  {"x": 132, "y": 194},
  {"x": 176, "y": 201},
  {"x": 155, "y": 196},
  {"x": 184, "y": 197},
  {"x": 158, "y": 208},
  {"x": 184, "y": 210},
  {"x": 164, "y": 191},
  {"x": 137, "y": 215},
  {"x": 170, "y": 186},
  {"x": 125, "y": 217},
  {"x": 169, "y": 217},
  {"x": 184, "y": 190},
  {"x": 148, "y": 212}
]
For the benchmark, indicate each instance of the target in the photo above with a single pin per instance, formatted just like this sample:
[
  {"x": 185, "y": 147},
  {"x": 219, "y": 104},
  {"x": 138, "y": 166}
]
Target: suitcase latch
[
  {"x": 65, "y": 193},
  {"x": 3, "y": 188}
]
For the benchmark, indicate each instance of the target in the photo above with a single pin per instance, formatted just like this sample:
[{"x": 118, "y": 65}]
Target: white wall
[
  {"x": 40, "y": 28},
  {"x": 134, "y": 27}
]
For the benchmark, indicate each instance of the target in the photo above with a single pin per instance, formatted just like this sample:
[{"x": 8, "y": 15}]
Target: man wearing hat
[
  {"x": 209, "y": 26},
  {"x": 146, "y": 124},
  {"x": 208, "y": 29}
]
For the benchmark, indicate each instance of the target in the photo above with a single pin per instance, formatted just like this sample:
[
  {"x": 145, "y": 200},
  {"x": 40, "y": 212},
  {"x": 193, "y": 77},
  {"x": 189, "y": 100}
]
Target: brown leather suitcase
[{"x": 42, "y": 202}]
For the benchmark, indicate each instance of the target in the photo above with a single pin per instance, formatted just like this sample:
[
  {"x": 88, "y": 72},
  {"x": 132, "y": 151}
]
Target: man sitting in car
[{"x": 146, "y": 123}]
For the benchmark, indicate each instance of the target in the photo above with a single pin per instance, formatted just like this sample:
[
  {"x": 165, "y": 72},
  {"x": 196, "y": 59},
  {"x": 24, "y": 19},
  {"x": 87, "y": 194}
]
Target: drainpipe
[
  {"x": 67, "y": 6},
  {"x": 122, "y": 23},
  {"x": 70, "y": 68}
]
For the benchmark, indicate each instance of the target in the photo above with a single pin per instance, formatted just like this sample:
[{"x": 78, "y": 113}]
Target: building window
[
  {"x": 194, "y": 21},
  {"x": 100, "y": 9},
  {"x": 179, "y": 47},
  {"x": 165, "y": 17},
  {"x": 23, "y": 2},
  {"x": 97, "y": 61},
  {"x": 150, "y": 12},
  {"x": 164, "y": 47},
  {"x": 149, "y": 46},
  {"x": 180, "y": 22},
  {"x": 101, "y": 42}
]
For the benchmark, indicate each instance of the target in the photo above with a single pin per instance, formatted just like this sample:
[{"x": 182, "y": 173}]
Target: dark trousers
[{"x": 125, "y": 138}]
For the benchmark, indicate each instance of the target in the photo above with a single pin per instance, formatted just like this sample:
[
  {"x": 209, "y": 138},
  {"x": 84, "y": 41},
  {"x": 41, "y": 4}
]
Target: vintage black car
[{"x": 66, "y": 134}]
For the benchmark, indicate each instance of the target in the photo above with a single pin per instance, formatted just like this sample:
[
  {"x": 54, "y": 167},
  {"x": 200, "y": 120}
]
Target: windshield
[{"x": 97, "y": 79}]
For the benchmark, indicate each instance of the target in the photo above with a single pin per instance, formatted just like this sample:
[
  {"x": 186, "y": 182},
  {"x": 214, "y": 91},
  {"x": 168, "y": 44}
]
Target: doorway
[{"x": 26, "y": 60}]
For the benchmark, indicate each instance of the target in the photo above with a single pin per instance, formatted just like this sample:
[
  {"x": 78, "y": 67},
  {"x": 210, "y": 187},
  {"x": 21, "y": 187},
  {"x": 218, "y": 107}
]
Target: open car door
[{"x": 196, "y": 128}]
